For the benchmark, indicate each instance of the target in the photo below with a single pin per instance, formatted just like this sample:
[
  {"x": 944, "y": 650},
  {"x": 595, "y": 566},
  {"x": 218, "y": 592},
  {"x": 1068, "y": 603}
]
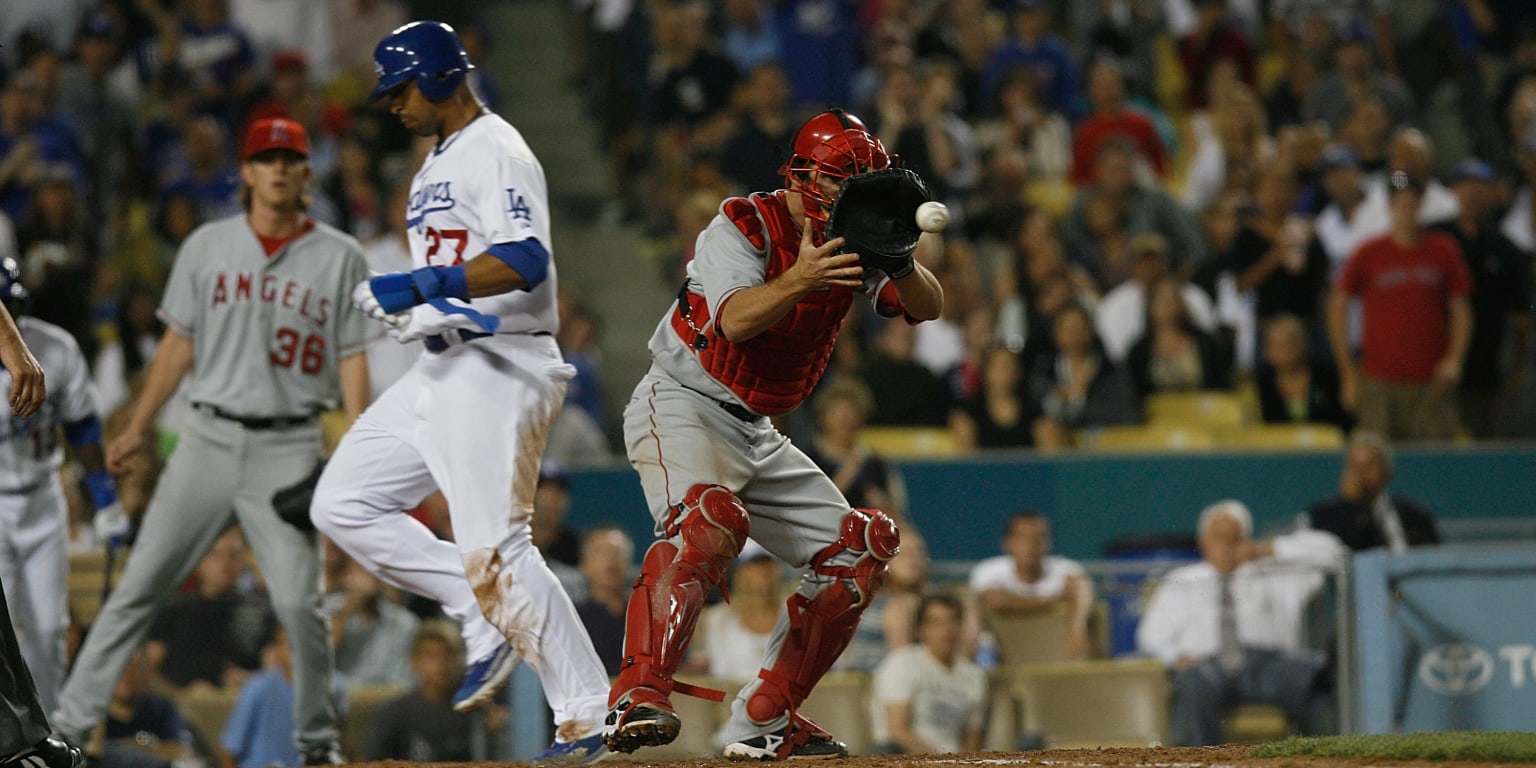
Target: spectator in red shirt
[
  {"x": 1413, "y": 287},
  {"x": 1112, "y": 118}
]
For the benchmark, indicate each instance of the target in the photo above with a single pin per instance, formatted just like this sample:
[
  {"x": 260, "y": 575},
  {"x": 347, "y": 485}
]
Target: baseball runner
[
  {"x": 258, "y": 315},
  {"x": 34, "y": 518},
  {"x": 24, "y": 730},
  {"x": 471, "y": 417},
  {"x": 748, "y": 338}
]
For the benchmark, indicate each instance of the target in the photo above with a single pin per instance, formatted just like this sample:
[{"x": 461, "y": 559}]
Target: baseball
[{"x": 932, "y": 217}]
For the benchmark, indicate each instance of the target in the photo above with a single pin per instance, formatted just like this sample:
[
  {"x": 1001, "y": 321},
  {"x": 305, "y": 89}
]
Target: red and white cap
[{"x": 275, "y": 133}]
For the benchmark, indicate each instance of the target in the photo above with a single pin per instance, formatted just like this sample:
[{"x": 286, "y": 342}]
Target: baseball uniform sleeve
[
  {"x": 511, "y": 206},
  {"x": 179, "y": 305},
  {"x": 725, "y": 262},
  {"x": 352, "y": 326}
]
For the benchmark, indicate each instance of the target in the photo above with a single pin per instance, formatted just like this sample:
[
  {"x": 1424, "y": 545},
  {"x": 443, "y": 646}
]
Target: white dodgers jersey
[
  {"x": 30, "y": 450},
  {"x": 479, "y": 187}
]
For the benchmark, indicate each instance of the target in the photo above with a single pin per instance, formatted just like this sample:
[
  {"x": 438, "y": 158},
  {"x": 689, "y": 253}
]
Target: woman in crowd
[{"x": 1172, "y": 354}]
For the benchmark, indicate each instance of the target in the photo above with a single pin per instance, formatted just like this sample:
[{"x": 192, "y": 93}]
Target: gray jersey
[
  {"x": 29, "y": 448},
  {"x": 267, "y": 332}
]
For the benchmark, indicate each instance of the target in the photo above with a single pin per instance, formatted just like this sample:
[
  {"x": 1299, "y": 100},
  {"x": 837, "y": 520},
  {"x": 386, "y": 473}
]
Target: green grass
[{"x": 1472, "y": 746}]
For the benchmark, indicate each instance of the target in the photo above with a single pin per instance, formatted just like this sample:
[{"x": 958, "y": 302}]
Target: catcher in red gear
[{"x": 748, "y": 338}]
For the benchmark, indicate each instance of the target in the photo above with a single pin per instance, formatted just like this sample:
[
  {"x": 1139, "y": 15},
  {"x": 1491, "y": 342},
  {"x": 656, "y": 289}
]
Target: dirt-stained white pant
[
  {"x": 471, "y": 420},
  {"x": 34, "y": 569}
]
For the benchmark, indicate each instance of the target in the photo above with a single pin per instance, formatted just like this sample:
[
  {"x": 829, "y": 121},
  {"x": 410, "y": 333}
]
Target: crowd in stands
[
  {"x": 1146, "y": 197},
  {"x": 1194, "y": 178}
]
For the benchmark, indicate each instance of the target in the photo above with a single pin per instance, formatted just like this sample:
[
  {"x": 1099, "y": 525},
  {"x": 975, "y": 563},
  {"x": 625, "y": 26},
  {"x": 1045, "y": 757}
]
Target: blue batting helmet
[
  {"x": 429, "y": 51},
  {"x": 15, "y": 295}
]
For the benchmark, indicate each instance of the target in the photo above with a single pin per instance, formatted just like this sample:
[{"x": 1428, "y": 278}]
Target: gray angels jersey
[{"x": 267, "y": 331}]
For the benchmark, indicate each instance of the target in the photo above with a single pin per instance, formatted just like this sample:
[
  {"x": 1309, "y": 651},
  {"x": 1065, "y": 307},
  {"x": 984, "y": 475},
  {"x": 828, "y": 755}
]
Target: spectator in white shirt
[
  {"x": 1230, "y": 627},
  {"x": 929, "y": 697},
  {"x": 1122, "y": 314},
  {"x": 1029, "y": 578}
]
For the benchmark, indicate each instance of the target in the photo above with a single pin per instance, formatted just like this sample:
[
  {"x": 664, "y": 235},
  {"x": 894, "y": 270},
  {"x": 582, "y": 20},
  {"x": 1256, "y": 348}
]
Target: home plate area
[{"x": 1118, "y": 757}]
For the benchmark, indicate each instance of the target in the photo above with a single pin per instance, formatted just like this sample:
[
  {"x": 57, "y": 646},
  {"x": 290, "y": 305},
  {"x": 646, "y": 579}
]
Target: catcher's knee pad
[
  {"x": 824, "y": 613},
  {"x": 712, "y": 525}
]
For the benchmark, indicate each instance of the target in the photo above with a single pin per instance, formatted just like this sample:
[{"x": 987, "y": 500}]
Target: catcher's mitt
[
  {"x": 876, "y": 214},
  {"x": 292, "y": 502}
]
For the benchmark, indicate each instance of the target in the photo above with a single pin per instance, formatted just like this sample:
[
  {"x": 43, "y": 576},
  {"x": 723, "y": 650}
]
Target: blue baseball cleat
[
  {"x": 579, "y": 752},
  {"x": 484, "y": 678}
]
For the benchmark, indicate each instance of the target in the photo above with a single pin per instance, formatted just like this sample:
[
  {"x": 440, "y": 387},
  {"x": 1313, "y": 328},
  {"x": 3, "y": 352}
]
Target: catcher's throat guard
[{"x": 876, "y": 215}]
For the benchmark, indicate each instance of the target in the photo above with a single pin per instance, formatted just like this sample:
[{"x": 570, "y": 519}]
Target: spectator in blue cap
[
  {"x": 1501, "y": 297},
  {"x": 1352, "y": 215}
]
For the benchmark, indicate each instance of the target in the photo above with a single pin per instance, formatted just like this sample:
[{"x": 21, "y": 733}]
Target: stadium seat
[
  {"x": 840, "y": 704},
  {"x": 362, "y": 702},
  {"x": 1054, "y": 194},
  {"x": 1003, "y": 726},
  {"x": 1202, "y": 408},
  {"x": 206, "y": 711},
  {"x": 1152, "y": 437},
  {"x": 1254, "y": 723},
  {"x": 87, "y": 577},
  {"x": 1025, "y": 638},
  {"x": 1081, "y": 704},
  {"x": 909, "y": 442},
  {"x": 1299, "y": 437}
]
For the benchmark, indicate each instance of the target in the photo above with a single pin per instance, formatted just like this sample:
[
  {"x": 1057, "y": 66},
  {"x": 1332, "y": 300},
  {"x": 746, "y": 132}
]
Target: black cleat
[
  {"x": 51, "y": 752},
  {"x": 799, "y": 739},
  {"x": 323, "y": 755},
  {"x": 634, "y": 724}
]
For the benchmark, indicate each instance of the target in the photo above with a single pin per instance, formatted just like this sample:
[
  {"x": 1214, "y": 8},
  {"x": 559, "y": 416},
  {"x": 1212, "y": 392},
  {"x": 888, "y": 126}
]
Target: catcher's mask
[{"x": 832, "y": 145}]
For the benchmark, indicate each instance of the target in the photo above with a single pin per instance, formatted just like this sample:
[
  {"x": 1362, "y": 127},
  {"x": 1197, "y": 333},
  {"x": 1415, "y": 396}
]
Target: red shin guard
[
  {"x": 673, "y": 582},
  {"x": 820, "y": 627}
]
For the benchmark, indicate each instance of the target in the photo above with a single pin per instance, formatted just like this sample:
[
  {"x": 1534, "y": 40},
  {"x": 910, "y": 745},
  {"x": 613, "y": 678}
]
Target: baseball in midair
[{"x": 932, "y": 217}]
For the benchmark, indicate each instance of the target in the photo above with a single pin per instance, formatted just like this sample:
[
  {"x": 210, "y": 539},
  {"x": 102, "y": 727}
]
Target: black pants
[{"x": 22, "y": 719}]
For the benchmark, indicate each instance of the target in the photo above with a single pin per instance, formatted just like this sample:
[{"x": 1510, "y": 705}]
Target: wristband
[
  {"x": 395, "y": 291},
  {"x": 441, "y": 283}
]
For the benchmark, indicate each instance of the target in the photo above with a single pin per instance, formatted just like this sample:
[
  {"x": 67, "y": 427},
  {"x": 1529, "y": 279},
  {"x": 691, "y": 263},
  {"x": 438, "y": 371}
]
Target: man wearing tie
[
  {"x": 1230, "y": 626},
  {"x": 1364, "y": 515}
]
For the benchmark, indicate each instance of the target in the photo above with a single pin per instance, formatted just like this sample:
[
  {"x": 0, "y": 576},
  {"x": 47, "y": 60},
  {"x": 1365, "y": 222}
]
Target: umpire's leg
[{"x": 22, "y": 720}]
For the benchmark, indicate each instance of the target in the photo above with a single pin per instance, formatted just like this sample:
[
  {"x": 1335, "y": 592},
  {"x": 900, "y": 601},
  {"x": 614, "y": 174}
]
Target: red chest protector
[{"x": 774, "y": 371}]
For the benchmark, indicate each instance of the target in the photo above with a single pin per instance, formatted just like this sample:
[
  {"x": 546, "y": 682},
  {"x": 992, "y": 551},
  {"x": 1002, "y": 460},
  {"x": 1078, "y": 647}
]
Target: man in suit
[{"x": 1365, "y": 515}]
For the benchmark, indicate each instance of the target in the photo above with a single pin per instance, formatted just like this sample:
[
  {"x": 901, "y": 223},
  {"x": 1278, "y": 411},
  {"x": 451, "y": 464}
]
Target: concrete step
[{"x": 604, "y": 263}]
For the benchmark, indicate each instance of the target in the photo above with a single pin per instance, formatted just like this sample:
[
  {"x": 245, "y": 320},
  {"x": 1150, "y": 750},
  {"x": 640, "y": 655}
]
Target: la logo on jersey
[
  {"x": 431, "y": 197},
  {"x": 517, "y": 207}
]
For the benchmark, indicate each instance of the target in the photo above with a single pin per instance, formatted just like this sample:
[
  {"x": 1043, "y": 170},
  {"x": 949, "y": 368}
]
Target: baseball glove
[
  {"x": 292, "y": 502},
  {"x": 876, "y": 214}
]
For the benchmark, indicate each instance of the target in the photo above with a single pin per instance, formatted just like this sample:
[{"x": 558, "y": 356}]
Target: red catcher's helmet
[{"x": 832, "y": 145}]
